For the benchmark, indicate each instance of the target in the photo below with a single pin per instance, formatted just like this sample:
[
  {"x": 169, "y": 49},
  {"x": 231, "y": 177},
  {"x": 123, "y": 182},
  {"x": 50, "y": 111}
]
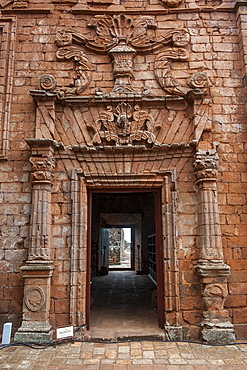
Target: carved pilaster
[
  {"x": 42, "y": 176},
  {"x": 216, "y": 327},
  {"x": 38, "y": 269}
]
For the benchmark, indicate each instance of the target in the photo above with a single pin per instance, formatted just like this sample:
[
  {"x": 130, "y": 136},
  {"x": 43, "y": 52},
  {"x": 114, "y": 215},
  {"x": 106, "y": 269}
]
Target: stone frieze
[{"x": 125, "y": 125}]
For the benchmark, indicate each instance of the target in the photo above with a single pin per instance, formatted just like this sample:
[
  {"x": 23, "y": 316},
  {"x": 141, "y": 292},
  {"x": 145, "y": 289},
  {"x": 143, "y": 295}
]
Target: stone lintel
[{"x": 212, "y": 268}]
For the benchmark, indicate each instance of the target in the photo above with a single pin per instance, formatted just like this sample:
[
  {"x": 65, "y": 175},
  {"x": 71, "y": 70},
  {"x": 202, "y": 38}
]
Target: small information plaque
[{"x": 65, "y": 332}]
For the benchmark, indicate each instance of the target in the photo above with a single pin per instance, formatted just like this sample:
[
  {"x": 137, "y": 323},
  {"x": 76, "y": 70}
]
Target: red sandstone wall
[{"x": 216, "y": 49}]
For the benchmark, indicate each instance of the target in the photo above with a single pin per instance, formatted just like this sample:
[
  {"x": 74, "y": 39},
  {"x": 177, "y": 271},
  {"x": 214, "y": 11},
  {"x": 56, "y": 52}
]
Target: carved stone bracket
[{"x": 124, "y": 126}]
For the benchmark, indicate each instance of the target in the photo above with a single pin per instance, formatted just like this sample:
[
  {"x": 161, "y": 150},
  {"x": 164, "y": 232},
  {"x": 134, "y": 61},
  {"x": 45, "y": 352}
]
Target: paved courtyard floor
[{"x": 144, "y": 355}]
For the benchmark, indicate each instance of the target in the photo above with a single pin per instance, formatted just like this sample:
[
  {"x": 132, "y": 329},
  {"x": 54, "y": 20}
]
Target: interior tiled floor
[{"x": 122, "y": 306}]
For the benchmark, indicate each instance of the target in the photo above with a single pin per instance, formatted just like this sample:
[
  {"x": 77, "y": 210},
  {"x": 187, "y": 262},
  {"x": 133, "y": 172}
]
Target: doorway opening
[
  {"x": 125, "y": 282},
  {"x": 120, "y": 248}
]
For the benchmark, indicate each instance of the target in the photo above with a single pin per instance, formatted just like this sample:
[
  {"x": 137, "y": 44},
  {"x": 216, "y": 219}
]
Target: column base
[
  {"x": 218, "y": 336},
  {"x": 218, "y": 332},
  {"x": 174, "y": 333},
  {"x": 35, "y": 332}
]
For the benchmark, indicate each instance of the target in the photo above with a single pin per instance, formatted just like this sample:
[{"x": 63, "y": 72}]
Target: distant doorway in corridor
[
  {"x": 139, "y": 211},
  {"x": 120, "y": 248}
]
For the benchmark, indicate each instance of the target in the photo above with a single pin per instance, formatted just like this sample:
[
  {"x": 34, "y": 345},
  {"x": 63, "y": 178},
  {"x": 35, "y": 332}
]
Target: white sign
[{"x": 65, "y": 332}]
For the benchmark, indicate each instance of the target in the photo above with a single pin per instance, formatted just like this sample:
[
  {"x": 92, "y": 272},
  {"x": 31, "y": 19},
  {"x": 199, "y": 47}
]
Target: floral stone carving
[
  {"x": 206, "y": 164},
  {"x": 34, "y": 298},
  {"x": 122, "y": 37},
  {"x": 42, "y": 168},
  {"x": 83, "y": 69},
  {"x": 124, "y": 126}
]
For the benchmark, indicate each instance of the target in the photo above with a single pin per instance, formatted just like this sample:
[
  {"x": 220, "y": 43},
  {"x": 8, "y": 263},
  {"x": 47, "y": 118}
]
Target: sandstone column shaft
[{"x": 216, "y": 327}]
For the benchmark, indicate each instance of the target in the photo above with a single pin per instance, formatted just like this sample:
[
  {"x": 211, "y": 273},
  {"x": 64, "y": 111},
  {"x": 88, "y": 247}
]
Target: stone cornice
[
  {"x": 149, "y": 11},
  {"x": 36, "y": 143}
]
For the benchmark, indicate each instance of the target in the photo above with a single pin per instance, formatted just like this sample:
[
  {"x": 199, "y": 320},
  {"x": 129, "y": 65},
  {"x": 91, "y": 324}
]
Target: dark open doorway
[{"x": 140, "y": 212}]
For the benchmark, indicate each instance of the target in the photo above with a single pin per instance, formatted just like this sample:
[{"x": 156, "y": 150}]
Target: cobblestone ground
[{"x": 125, "y": 356}]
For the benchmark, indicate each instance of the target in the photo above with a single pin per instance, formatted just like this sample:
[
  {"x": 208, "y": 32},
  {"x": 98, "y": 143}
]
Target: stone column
[
  {"x": 216, "y": 327},
  {"x": 38, "y": 269}
]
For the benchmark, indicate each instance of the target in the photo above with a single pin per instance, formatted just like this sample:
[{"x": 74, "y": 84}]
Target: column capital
[
  {"x": 212, "y": 269},
  {"x": 42, "y": 168},
  {"x": 206, "y": 163}
]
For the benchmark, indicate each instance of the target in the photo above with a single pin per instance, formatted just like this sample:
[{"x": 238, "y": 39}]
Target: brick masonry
[{"x": 182, "y": 118}]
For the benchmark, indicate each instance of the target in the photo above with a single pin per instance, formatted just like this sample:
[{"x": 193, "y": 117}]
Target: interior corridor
[{"x": 122, "y": 306}]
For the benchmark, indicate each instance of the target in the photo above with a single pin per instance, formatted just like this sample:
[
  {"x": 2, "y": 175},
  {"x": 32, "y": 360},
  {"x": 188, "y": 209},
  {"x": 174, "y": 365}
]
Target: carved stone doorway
[{"x": 140, "y": 210}]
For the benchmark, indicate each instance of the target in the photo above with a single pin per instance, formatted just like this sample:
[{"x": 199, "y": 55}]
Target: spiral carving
[
  {"x": 47, "y": 82},
  {"x": 198, "y": 80}
]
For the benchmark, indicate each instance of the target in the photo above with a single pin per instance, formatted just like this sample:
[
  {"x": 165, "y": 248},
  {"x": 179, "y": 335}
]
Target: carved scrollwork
[
  {"x": 124, "y": 126},
  {"x": 47, "y": 82},
  {"x": 122, "y": 36},
  {"x": 83, "y": 68},
  {"x": 42, "y": 168},
  {"x": 63, "y": 38},
  {"x": 198, "y": 80},
  {"x": 34, "y": 298},
  {"x": 163, "y": 70},
  {"x": 206, "y": 163},
  {"x": 169, "y": 83}
]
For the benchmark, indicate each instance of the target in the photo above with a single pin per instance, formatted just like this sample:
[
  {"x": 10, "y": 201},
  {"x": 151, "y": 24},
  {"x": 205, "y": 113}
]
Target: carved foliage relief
[
  {"x": 42, "y": 168},
  {"x": 34, "y": 298},
  {"x": 125, "y": 125},
  {"x": 122, "y": 37},
  {"x": 120, "y": 118}
]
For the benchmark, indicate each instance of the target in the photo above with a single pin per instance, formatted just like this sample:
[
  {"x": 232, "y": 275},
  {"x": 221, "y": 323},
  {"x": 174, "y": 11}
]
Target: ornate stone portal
[{"x": 111, "y": 129}]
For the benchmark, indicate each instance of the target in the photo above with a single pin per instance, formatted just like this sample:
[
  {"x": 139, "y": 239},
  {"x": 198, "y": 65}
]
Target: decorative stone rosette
[
  {"x": 34, "y": 298},
  {"x": 47, "y": 82}
]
